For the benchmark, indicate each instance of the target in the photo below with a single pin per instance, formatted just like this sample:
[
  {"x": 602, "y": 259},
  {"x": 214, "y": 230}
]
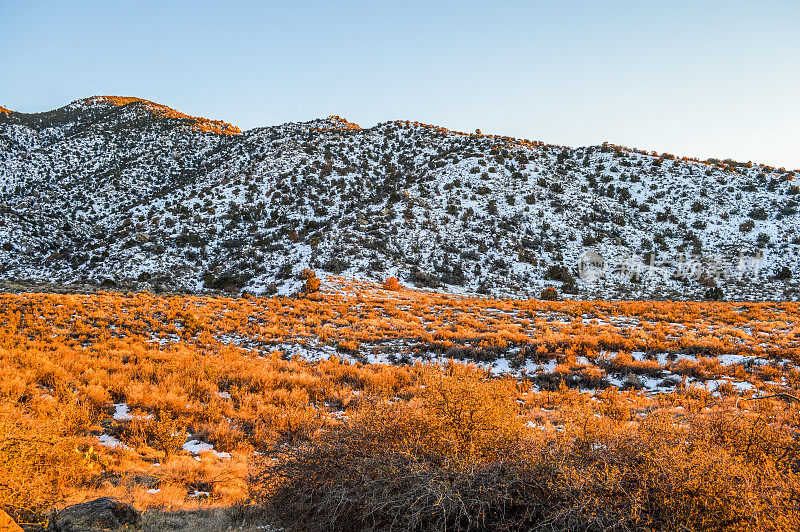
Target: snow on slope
[{"x": 120, "y": 191}]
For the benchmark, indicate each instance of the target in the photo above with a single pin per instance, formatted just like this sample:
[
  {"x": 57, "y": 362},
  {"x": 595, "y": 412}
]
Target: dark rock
[{"x": 104, "y": 513}]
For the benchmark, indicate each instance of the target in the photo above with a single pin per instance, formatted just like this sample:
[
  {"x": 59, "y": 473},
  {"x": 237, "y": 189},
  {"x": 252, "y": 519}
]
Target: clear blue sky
[{"x": 697, "y": 78}]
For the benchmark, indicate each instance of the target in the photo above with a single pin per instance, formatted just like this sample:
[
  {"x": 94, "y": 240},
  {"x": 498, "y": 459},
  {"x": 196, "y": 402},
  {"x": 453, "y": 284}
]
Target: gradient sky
[{"x": 705, "y": 79}]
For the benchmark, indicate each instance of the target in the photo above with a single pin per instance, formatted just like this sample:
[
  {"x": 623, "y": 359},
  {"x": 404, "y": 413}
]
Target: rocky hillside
[{"x": 126, "y": 192}]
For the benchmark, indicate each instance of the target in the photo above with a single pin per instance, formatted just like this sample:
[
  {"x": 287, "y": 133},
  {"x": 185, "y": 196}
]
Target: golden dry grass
[{"x": 217, "y": 369}]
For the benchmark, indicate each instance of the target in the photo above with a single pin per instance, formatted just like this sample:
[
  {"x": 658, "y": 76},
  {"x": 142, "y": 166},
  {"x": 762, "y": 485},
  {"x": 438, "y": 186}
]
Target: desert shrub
[
  {"x": 191, "y": 325},
  {"x": 462, "y": 423},
  {"x": 383, "y": 471},
  {"x": 391, "y": 284},
  {"x": 714, "y": 293},
  {"x": 559, "y": 272},
  {"x": 784, "y": 273},
  {"x": 424, "y": 279},
  {"x": 226, "y": 281},
  {"x": 312, "y": 283},
  {"x": 336, "y": 265},
  {"x": 467, "y": 415},
  {"x": 578, "y": 375},
  {"x": 549, "y": 294},
  {"x": 625, "y": 363},
  {"x": 41, "y": 459},
  {"x": 758, "y": 213},
  {"x": 164, "y": 433},
  {"x": 306, "y": 274}
]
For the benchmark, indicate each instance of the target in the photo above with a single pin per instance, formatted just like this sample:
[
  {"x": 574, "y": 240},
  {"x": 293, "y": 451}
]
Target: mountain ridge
[
  {"x": 342, "y": 123},
  {"x": 147, "y": 200},
  {"x": 139, "y": 104}
]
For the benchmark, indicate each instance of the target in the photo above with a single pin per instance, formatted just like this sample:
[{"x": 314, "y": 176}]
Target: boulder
[{"x": 105, "y": 513}]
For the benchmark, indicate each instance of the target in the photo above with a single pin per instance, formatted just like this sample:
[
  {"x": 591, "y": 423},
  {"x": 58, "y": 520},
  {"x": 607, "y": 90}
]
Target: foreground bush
[
  {"x": 392, "y": 284},
  {"x": 459, "y": 459},
  {"x": 40, "y": 461}
]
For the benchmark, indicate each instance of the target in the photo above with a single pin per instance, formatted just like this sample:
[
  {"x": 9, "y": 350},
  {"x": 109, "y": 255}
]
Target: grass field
[{"x": 363, "y": 407}]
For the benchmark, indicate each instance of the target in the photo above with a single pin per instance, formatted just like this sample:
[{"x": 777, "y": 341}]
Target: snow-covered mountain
[{"x": 128, "y": 192}]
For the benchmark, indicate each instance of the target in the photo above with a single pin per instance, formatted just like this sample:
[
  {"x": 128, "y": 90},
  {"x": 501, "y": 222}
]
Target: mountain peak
[
  {"x": 337, "y": 122},
  {"x": 196, "y": 122}
]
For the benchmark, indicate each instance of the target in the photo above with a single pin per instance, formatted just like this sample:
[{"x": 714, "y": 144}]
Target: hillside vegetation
[{"x": 112, "y": 191}]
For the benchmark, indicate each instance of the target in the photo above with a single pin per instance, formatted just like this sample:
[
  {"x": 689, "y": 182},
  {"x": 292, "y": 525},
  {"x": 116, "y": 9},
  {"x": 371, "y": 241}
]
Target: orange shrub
[
  {"x": 549, "y": 294},
  {"x": 392, "y": 284}
]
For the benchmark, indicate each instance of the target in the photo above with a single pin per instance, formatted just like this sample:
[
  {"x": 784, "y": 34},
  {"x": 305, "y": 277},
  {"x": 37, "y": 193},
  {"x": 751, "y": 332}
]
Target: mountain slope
[{"x": 127, "y": 191}]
